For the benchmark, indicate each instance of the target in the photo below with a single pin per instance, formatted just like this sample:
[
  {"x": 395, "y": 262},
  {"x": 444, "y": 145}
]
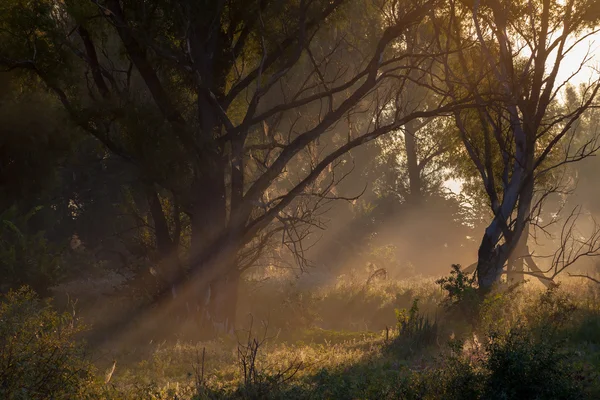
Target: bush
[
  {"x": 415, "y": 328},
  {"x": 524, "y": 351},
  {"x": 459, "y": 378},
  {"x": 39, "y": 357},
  {"x": 521, "y": 366},
  {"x": 462, "y": 297}
]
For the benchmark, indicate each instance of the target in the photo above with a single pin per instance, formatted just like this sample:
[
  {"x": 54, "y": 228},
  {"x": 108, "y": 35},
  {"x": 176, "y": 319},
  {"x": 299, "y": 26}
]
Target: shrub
[
  {"x": 501, "y": 310},
  {"x": 39, "y": 357},
  {"x": 461, "y": 294},
  {"x": 415, "y": 327},
  {"x": 555, "y": 308},
  {"x": 520, "y": 366},
  {"x": 524, "y": 352},
  {"x": 26, "y": 258},
  {"x": 458, "y": 379}
]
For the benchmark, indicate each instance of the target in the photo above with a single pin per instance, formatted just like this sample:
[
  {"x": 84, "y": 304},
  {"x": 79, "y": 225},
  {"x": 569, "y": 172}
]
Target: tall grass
[{"x": 350, "y": 340}]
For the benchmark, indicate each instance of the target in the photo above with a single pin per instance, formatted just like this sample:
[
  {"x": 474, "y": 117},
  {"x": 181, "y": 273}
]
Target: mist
[{"x": 299, "y": 199}]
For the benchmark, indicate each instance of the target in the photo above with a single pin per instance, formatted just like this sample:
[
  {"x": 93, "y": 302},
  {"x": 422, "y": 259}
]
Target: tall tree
[
  {"x": 230, "y": 106},
  {"x": 508, "y": 54}
]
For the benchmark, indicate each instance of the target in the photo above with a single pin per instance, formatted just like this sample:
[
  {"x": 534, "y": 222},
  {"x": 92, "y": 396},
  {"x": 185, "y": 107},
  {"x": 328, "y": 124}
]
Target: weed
[{"x": 414, "y": 328}]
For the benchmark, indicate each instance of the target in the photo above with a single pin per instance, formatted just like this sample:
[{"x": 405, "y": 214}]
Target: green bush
[
  {"x": 39, "y": 356},
  {"x": 457, "y": 378},
  {"x": 462, "y": 298},
  {"x": 521, "y": 366},
  {"x": 414, "y": 328},
  {"x": 26, "y": 258}
]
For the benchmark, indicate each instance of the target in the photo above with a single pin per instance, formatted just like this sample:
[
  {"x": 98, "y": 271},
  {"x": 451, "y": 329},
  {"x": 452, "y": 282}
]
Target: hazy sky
[{"x": 587, "y": 48}]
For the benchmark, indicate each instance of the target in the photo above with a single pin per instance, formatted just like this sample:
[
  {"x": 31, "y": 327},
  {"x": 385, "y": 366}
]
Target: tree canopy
[{"x": 189, "y": 142}]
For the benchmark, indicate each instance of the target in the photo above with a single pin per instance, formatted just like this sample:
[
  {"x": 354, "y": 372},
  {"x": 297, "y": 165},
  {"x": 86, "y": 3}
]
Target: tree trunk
[
  {"x": 491, "y": 258},
  {"x": 208, "y": 213},
  {"x": 414, "y": 173},
  {"x": 218, "y": 277},
  {"x": 217, "y": 286},
  {"x": 516, "y": 261},
  {"x": 517, "y": 195},
  {"x": 164, "y": 243},
  {"x": 220, "y": 310},
  {"x": 490, "y": 262},
  {"x": 168, "y": 266}
]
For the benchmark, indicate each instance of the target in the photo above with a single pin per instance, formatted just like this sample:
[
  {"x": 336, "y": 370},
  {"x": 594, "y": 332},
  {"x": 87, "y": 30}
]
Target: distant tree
[
  {"x": 54, "y": 183},
  {"x": 31, "y": 149}
]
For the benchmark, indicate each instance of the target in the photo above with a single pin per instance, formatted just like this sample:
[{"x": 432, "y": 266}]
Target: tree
[
  {"x": 55, "y": 184},
  {"x": 232, "y": 108},
  {"x": 517, "y": 137}
]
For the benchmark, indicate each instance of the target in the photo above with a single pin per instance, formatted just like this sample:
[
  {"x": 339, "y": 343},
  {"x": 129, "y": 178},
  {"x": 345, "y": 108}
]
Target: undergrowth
[{"x": 516, "y": 343}]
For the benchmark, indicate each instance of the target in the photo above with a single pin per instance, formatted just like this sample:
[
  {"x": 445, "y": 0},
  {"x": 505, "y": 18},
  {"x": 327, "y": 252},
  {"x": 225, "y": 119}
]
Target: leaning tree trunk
[
  {"x": 490, "y": 262},
  {"x": 492, "y": 256},
  {"x": 516, "y": 260}
]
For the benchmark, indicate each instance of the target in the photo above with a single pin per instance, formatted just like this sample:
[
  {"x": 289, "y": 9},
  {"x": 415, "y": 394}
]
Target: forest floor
[{"x": 388, "y": 339}]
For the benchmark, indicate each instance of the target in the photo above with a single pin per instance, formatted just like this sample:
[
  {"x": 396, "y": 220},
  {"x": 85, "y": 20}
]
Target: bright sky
[
  {"x": 568, "y": 67},
  {"x": 576, "y": 56}
]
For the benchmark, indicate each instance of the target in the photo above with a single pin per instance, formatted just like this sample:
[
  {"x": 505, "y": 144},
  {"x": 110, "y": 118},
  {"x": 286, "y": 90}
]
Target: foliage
[
  {"x": 521, "y": 365},
  {"x": 415, "y": 328},
  {"x": 26, "y": 258},
  {"x": 544, "y": 351},
  {"x": 220, "y": 133},
  {"x": 461, "y": 293},
  {"x": 519, "y": 151},
  {"x": 544, "y": 348},
  {"x": 39, "y": 356},
  {"x": 35, "y": 142}
]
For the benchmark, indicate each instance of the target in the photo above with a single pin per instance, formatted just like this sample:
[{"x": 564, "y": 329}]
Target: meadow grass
[{"x": 388, "y": 339}]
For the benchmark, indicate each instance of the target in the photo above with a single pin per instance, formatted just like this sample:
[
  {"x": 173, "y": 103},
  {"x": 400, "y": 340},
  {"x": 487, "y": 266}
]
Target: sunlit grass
[
  {"x": 305, "y": 351},
  {"x": 347, "y": 339}
]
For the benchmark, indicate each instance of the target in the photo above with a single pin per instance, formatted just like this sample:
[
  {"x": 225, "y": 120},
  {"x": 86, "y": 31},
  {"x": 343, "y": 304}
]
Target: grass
[{"x": 348, "y": 340}]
